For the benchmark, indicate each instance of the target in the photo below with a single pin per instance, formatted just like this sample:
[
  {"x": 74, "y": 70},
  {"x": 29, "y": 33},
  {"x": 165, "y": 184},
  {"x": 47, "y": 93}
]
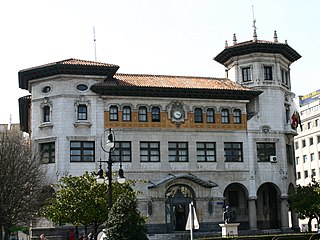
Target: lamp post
[{"x": 108, "y": 146}]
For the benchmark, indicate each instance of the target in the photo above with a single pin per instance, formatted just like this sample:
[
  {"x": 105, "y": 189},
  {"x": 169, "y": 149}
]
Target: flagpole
[{"x": 191, "y": 222}]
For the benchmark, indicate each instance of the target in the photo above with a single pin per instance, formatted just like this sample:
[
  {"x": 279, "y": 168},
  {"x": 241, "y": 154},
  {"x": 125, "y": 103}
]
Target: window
[
  {"x": 46, "y": 113},
  {"x": 268, "y": 73},
  {"x": 318, "y": 139},
  {"x": 82, "y": 87},
  {"x": 155, "y": 114},
  {"x": 265, "y": 150},
  {"x": 285, "y": 77},
  {"x": 210, "y": 115},
  {"x": 297, "y": 160},
  {"x": 312, "y": 157},
  {"x": 298, "y": 175},
  {"x": 113, "y": 113},
  {"x": 303, "y": 143},
  {"x": 311, "y": 141},
  {"x": 309, "y": 125},
  {"x": 313, "y": 172},
  {"x": 246, "y": 74},
  {"x": 82, "y": 151},
  {"x": 122, "y": 151},
  {"x": 225, "y": 116},
  {"x": 149, "y": 151},
  {"x": 47, "y": 152},
  {"x": 305, "y": 173},
  {"x": 206, "y": 151},
  {"x": 46, "y": 89},
  {"x": 178, "y": 152},
  {"x": 316, "y": 123},
  {"x": 82, "y": 112},
  {"x": 233, "y": 152},
  {"x": 143, "y": 114},
  {"x": 296, "y": 144},
  {"x": 198, "y": 115},
  {"x": 304, "y": 158},
  {"x": 126, "y": 114},
  {"x": 237, "y": 116}
]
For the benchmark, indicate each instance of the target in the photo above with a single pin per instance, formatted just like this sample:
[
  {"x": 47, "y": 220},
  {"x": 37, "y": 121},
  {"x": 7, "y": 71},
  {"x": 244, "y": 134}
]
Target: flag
[
  {"x": 295, "y": 120},
  {"x": 192, "y": 222}
]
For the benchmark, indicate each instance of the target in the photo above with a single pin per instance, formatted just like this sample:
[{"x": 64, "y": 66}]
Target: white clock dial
[{"x": 177, "y": 114}]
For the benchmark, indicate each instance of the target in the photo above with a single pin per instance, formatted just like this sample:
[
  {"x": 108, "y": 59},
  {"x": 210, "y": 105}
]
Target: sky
[{"x": 163, "y": 37}]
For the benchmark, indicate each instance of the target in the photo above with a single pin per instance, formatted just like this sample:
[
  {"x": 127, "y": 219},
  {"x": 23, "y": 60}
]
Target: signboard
[{"x": 309, "y": 97}]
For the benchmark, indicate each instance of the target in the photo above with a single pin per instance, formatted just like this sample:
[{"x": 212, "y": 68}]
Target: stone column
[
  {"x": 284, "y": 213},
  {"x": 295, "y": 221},
  {"x": 252, "y": 212}
]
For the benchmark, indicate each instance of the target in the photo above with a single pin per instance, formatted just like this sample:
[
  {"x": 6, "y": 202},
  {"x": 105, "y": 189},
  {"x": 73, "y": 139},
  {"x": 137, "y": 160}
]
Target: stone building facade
[{"x": 214, "y": 141}]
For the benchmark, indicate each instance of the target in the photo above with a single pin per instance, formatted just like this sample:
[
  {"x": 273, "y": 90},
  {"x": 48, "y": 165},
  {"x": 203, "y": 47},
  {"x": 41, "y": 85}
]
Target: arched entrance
[
  {"x": 178, "y": 198},
  {"x": 268, "y": 206},
  {"x": 236, "y": 197}
]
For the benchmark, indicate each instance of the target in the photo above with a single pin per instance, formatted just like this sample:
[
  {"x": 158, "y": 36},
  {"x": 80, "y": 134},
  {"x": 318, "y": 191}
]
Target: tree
[
  {"x": 21, "y": 181},
  {"x": 305, "y": 201},
  {"x": 125, "y": 222},
  {"x": 80, "y": 200}
]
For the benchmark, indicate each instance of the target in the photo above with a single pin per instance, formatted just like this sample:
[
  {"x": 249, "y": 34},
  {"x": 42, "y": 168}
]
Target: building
[
  {"x": 307, "y": 144},
  {"x": 216, "y": 142}
]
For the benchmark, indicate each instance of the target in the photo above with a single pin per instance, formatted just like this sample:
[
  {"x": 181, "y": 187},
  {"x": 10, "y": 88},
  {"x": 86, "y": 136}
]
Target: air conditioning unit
[{"x": 273, "y": 159}]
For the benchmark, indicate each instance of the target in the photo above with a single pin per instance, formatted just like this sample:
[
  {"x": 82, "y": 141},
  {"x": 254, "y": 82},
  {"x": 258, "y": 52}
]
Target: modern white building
[
  {"x": 214, "y": 141},
  {"x": 307, "y": 144}
]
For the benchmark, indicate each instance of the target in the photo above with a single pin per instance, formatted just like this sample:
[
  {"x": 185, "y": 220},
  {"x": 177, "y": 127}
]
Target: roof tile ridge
[{"x": 169, "y": 76}]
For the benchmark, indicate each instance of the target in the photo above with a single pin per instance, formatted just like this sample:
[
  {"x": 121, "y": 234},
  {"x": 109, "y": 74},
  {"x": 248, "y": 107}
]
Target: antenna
[
  {"x": 255, "y": 37},
  {"x": 95, "y": 45}
]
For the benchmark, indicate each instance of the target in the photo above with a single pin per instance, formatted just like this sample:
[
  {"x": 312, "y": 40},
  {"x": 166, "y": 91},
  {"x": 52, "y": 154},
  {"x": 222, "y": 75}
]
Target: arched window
[
  {"x": 113, "y": 113},
  {"x": 198, "y": 115}
]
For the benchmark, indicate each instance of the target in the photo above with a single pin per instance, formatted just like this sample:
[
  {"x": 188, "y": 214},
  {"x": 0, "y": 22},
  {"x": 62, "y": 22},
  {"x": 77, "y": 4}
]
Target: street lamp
[{"x": 108, "y": 146}]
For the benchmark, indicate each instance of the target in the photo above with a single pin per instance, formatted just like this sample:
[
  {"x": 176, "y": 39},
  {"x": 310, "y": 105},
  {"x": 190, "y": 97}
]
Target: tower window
[
  {"x": 268, "y": 73},
  {"x": 246, "y": 74}
]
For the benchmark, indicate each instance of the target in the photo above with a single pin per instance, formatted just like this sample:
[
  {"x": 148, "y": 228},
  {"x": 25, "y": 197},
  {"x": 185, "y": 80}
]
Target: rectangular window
[
  {"x": 268, "y": 73},
  {"x": 198, "y": 115},
  {"x": 312, "y": 157},
  {"x": 233, "y": 152},
  {"x": 82, "y": 151},
  {"x": 82, "y": 112},
  {"x": 246, "y": 74},
  {"x": 143, "y": 114},
  {"x": 155, "y": 114},
  {"x": 210, "y": 115},
  {"x": 178, "y": 152},
  {"x": 126, "y": 114},
  {"x": 237, "y": 116},
  {"x": 206, "y": 151},
  {"x": 297, "y": 160},
  {"x": 313, "y": 172},
  {"x": 296, "y": 144},
  {"x": 46, "y": 113},
  {"x": 305, "y": 173},
  {"x": 149, "y": 151},
  {"x": 113, "y": 113},
  {"x": 265, "y": 150},
  {"x": 311, "y": 141},
  {"x": 304, "y": 158},
  {"x": 298, "y": 175},
  {"x": 225, "y": 116},
  {"x": 122, "y": 151},
  {"x": 303, "y": 143},
  {"x": 318, "y": 139},
  {"x": 47, "y": 152},
  {"x": 316, "y": 123},
  {"x": 285, "y": 77}
]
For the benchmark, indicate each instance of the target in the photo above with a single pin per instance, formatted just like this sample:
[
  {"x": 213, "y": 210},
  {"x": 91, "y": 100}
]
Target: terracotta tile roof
[
  {"x": 75, "y": 62},
  {"x": 166, "y": 81}
]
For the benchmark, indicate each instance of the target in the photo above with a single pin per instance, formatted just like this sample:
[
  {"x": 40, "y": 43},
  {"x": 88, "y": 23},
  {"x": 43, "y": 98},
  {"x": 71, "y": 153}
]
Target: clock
[{"x": 177, "y": 114}]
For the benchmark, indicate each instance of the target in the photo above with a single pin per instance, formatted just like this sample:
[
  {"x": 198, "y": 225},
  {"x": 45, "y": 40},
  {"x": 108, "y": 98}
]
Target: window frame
[
  {"x": 143, "y": 114},
  {"x": 155, "y": 114},
  {"x": 82, "y": 149},
  {"x": 235, "y": 147},
  {"x": 152, "y": 150},
  {"x": 237, "y": 116},
  {"x": 198, "y": 115},
  {"x": 178, "y": 152},
  {"x": 246, "y": 74},
  {"x": 126, "y": 114},
  {"x": 113, "y": 113},
  {"x": 210, "y": 115},
  {"x": 267, "y": 73},
  {"x": 206, "y": 149},
  {"x": 225, "y": 116},
  {"x": 46, "y": 114},
  {"x": 122, "y": 151},
  {"x": 82, "y": 115},
  {"x": 47, "y": 147},
  {"x": 265, "y": 150}
]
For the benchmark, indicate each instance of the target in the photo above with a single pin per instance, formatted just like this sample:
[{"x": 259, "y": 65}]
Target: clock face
[{"x": 177, "y": 114}]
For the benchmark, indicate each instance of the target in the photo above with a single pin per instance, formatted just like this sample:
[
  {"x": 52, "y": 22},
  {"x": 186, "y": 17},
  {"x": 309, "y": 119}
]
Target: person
[{"x": 43, "y": 237}]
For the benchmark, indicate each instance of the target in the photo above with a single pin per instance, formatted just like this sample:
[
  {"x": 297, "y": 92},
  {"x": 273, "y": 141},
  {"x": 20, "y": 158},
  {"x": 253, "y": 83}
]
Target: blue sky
[{"x": 170, "y": 37}]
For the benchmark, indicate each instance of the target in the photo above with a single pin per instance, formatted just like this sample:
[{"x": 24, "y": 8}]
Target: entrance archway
[{"x": 178, "y": 198}]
